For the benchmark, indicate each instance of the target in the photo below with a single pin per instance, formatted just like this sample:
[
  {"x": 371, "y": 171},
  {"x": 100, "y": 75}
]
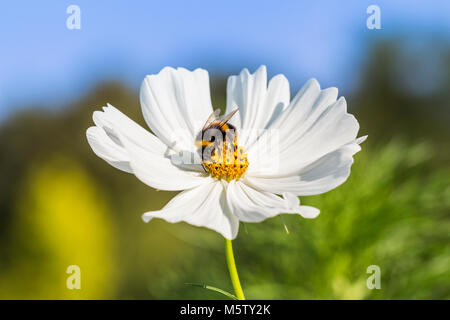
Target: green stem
[{"x": 233, "y": 271}]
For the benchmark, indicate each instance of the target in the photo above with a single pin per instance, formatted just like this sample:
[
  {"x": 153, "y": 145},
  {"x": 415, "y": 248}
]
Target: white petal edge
[
  {"x": 104, "y": 147},
  {"x": 127, "y": 146},
  {"x": 251, "y": 205},
  {"x": 258, "y": 103},
  {"x": 203, "y": 206},
  {"x": 314, "y": 124},
  {"x": 321, "y": 176},
  {"x": 175, "y": 104}
]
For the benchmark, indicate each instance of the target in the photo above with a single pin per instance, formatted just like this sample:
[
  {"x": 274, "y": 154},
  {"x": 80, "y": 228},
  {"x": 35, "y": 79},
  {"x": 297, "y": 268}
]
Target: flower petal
[
  {"x": 313, "y": 125},
  {"x": 203, "y": 206},
  {"x": 251, "y": 205},
  {"x": 104, "y": 147},
  {"x": 305, "y": 211},
  {"x": 176, "y": 104},
  {"x": 258, "y": 103},
  {"x": 104, "y": 141},
  {"x": 124, "y": 144},
  {"x": 158, "y": 171},
  {"x": 320, "y": 176}
]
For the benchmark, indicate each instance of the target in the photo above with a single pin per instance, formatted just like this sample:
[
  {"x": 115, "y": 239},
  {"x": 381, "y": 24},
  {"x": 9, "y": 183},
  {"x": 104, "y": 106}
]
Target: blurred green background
[{"x": 60, "y": 205}]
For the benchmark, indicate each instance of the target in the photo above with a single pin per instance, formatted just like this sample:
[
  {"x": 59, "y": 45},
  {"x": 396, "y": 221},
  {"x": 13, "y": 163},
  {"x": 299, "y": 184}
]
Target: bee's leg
[{"x": 203, "y": 166}]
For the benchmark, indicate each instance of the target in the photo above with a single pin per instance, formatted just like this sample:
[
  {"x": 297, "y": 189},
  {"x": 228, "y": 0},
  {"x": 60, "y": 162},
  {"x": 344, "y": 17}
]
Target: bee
[{"x": 214, "y": 134}]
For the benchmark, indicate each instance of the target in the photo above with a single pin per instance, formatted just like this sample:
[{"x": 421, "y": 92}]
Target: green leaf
[{"x": 202, "y": 285}]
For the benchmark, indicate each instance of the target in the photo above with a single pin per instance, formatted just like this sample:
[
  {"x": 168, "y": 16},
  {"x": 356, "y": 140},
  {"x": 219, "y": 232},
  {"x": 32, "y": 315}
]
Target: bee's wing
[
  {"x": 211, "y": 118},
  {"x": 224, "y": 119}
]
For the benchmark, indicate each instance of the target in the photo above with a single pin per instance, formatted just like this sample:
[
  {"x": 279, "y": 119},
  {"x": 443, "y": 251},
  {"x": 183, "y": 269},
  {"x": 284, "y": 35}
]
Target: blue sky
[{"x": 44, "y": 63}]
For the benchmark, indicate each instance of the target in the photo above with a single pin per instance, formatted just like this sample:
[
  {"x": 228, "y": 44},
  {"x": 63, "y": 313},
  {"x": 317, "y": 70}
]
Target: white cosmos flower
[{"x": 317, "y": 140}]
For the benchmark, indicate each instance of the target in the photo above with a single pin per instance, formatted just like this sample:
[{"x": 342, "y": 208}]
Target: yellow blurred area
[{"x": 67, "y": 223}]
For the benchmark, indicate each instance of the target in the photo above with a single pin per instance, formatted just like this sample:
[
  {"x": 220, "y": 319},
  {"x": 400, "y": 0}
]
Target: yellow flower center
[{"x": 227, "y": 162}]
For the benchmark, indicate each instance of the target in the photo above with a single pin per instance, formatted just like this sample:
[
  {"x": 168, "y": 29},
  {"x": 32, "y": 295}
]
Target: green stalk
[{"x": 233, "y": 271}]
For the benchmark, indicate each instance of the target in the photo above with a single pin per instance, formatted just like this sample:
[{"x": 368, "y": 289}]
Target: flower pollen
[{"x": 227, "y": 162}]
